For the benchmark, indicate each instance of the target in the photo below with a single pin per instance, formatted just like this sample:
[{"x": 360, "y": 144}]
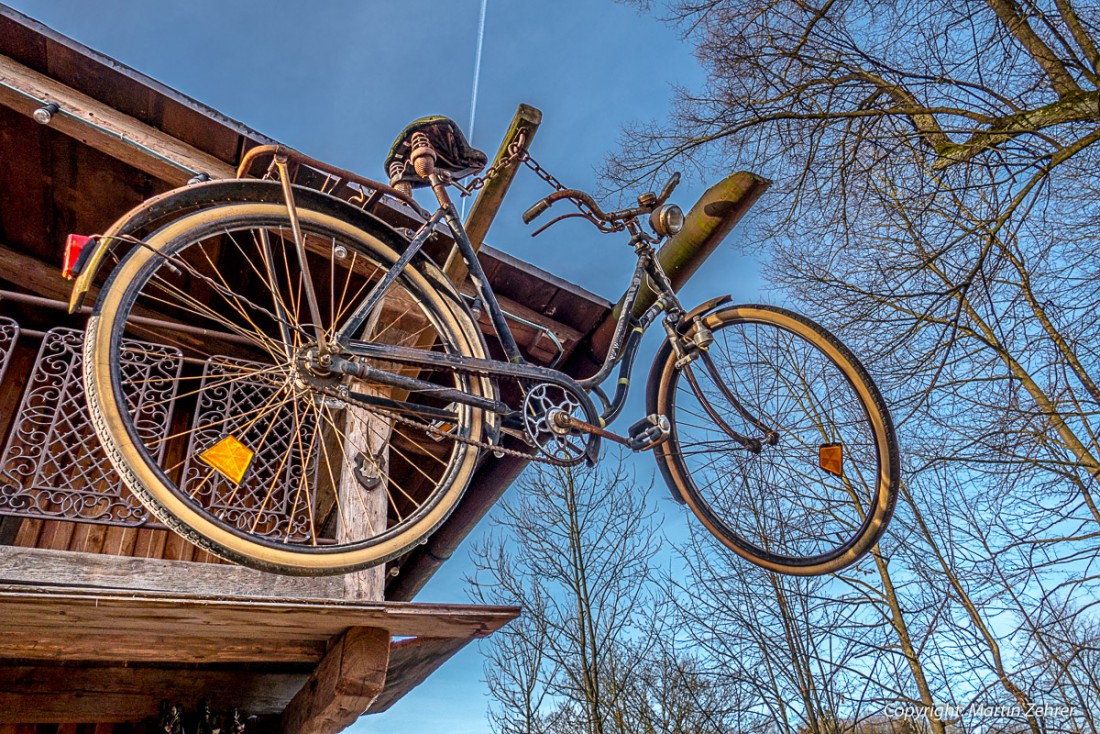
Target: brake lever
[{"x": 555, "y": 220}]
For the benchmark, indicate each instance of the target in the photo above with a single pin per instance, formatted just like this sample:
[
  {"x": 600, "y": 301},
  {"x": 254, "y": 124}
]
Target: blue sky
[{"x": 339, "y": 79}]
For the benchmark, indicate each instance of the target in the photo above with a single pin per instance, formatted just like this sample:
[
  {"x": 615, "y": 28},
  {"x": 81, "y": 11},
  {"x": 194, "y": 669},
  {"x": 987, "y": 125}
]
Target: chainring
[{"x": 563, "y": 447}]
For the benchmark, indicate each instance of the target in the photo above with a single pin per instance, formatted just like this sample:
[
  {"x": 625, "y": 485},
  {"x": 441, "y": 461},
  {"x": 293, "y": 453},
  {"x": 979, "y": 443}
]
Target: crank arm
[{"x": 570, "y": 422}]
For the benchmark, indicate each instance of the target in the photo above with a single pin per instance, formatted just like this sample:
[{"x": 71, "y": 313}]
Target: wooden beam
[
  {"x": 347, "y": 681},
  {"x": 488, "y": 201},
  {"x": 34, "y": 275},
  {"x": 105, "y": 129},
  {"x": 52, "y": 695},
  {"x": 411, "y": 662},
  {"x": 59, "y": 624},
  {"x": 39, "y": 567},
  {"x": 99, "y": 645}
]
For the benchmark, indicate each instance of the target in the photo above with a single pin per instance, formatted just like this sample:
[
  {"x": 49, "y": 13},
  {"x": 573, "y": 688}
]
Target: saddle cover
[{"x": 453, "y": 153}]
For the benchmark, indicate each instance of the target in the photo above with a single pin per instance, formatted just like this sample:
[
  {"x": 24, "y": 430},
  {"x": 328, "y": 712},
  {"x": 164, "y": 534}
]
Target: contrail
[{"x": 477, "y": 79}]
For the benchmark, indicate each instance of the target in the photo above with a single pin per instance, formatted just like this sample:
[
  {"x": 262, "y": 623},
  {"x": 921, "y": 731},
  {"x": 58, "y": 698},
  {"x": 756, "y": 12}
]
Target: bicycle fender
[
  {"x": 653, "y": 384},
  {"x": 177, "y": 202},
  {"x": 703, "y": 308},
  {"x": 165, "y": 206}
]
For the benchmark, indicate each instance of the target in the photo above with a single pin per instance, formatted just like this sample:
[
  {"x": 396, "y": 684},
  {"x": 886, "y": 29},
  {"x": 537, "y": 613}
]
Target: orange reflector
[
  {"x": 831, "y": 458},
  {"x": 229, "y": 457},
  {"x": 74, "y": 245}
]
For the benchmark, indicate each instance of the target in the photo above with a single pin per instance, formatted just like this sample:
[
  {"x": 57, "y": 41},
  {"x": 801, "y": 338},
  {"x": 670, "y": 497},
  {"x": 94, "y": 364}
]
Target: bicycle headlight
[{"x": 667, "y": 219}]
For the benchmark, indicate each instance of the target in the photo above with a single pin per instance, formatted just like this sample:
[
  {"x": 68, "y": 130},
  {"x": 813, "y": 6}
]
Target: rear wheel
[
  {"x": 780, "y": 443},
  {"x": 268, "y": 459}
]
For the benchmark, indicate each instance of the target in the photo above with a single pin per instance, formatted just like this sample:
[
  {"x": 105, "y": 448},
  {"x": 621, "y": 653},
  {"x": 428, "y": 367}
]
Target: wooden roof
[{"x": 71, "y": 177}]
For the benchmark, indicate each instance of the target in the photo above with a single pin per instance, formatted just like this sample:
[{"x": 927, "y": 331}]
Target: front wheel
[{"x": 780, "y": 442}]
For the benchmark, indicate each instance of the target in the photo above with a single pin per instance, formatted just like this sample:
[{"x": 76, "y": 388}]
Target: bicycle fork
[{"x": 689, "y": 350}]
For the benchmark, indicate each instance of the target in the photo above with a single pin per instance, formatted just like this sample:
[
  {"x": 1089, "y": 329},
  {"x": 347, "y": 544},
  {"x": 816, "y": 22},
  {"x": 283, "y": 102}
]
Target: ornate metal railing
[{"x": 53, "y": 466}]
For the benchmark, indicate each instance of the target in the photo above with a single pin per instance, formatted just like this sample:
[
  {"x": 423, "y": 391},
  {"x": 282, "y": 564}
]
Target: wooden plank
[
  {"x": 539, "y": 278},
  {"x": 533, "y": 340},
  {"x": 51, "y": 695},
  {"x": 96, "y": 625},
  {"x": 181, "y": 616},
  {"x": 34, "y": 44},
  {"x": 110, "y": 131},
  {"x": 344, "y": 685},
  {"x": 101, "y": 645},
  {"x": 38, "y": 566},
  {"x": 29, "y": 531},
  {"x": 411, "y": 662},
  {"x": 56, "y": 535},
  {"x": 33, "y": 275},
  {"x": 365, "y": 434}
]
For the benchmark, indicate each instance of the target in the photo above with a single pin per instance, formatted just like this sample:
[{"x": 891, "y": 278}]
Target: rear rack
[{"x": 316, "y": 174}]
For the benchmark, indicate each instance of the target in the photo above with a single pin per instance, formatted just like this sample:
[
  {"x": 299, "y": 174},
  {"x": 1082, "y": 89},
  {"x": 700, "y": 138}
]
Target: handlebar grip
[
  {"x": 669, "y": 187},
  {"x": 536, "y": 209}
]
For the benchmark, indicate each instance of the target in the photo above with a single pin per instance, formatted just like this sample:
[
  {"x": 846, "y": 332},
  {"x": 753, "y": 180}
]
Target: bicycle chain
[
  {"x": 533, "y": 455},
  {"x": 432, "y": 431}
]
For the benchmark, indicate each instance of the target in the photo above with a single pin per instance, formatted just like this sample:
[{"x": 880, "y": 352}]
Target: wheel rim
[
  {"x": 328, "y": 480},
  {"x": 781, "y": 508}
]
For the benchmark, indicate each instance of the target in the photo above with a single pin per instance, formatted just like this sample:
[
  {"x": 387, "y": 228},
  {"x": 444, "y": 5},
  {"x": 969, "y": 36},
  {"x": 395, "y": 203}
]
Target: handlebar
[
  {"x": 590, "y": 210},
  {"x": 576, "y": 195}
]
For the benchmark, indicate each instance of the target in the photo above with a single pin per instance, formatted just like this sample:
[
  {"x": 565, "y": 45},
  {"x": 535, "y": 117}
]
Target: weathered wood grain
[
  {"x": 411, "y": 662},
  {"x": 96, "y": 625},
  {"x": 343, "y": 686},
  {"x": 53, "y": 695},
  {"x": 38, "y": 566},
  {"x": 112, "y": 132}
]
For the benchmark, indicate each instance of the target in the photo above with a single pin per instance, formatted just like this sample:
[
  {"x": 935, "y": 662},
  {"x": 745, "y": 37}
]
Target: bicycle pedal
[{"x": 649, "y": 432}]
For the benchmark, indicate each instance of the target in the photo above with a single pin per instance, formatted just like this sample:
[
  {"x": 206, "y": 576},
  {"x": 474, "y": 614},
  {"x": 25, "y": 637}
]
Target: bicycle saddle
[{"x": 453, "y": 154}]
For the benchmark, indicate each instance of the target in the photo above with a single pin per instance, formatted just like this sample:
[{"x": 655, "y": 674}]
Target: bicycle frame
[{"x": 623, "y": 348}]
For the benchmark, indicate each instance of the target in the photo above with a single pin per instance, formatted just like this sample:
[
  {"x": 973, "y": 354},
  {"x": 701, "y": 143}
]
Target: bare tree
[
  {"x": 592, "y": 651},
  {"x": 936, "y": 205}
]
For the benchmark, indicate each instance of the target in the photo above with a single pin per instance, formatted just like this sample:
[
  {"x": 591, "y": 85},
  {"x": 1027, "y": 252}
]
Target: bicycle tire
[
  {"x": 211, "y": 269},
  {"x": 782, "y": 508}
]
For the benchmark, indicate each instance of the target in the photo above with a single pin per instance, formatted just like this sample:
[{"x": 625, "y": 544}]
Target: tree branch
[{"x": 1060, "y": 79}]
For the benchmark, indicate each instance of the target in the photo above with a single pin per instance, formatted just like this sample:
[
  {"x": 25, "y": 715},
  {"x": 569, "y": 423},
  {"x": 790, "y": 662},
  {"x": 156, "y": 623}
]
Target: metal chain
[
  {"x": 432, "y": 431},
  {"x": 517, "y": 152},
  {"x": 532, "y": 455}
]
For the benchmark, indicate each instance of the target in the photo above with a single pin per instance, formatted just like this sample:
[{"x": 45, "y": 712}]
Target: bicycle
[{"x": 331, "y": 392}]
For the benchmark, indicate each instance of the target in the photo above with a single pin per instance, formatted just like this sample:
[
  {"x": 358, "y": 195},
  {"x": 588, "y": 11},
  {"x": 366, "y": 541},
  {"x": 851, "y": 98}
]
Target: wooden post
[
  {"x": 349, "y": 678},
  {"x": 363, "y": 511},
  {"x": 489, "y": 199}
]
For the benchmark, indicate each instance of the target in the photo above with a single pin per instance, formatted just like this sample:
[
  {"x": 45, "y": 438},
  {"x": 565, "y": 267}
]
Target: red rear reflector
[
  {"x": 831, "y": 458},
  {"x": 74, "y": 245}
]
